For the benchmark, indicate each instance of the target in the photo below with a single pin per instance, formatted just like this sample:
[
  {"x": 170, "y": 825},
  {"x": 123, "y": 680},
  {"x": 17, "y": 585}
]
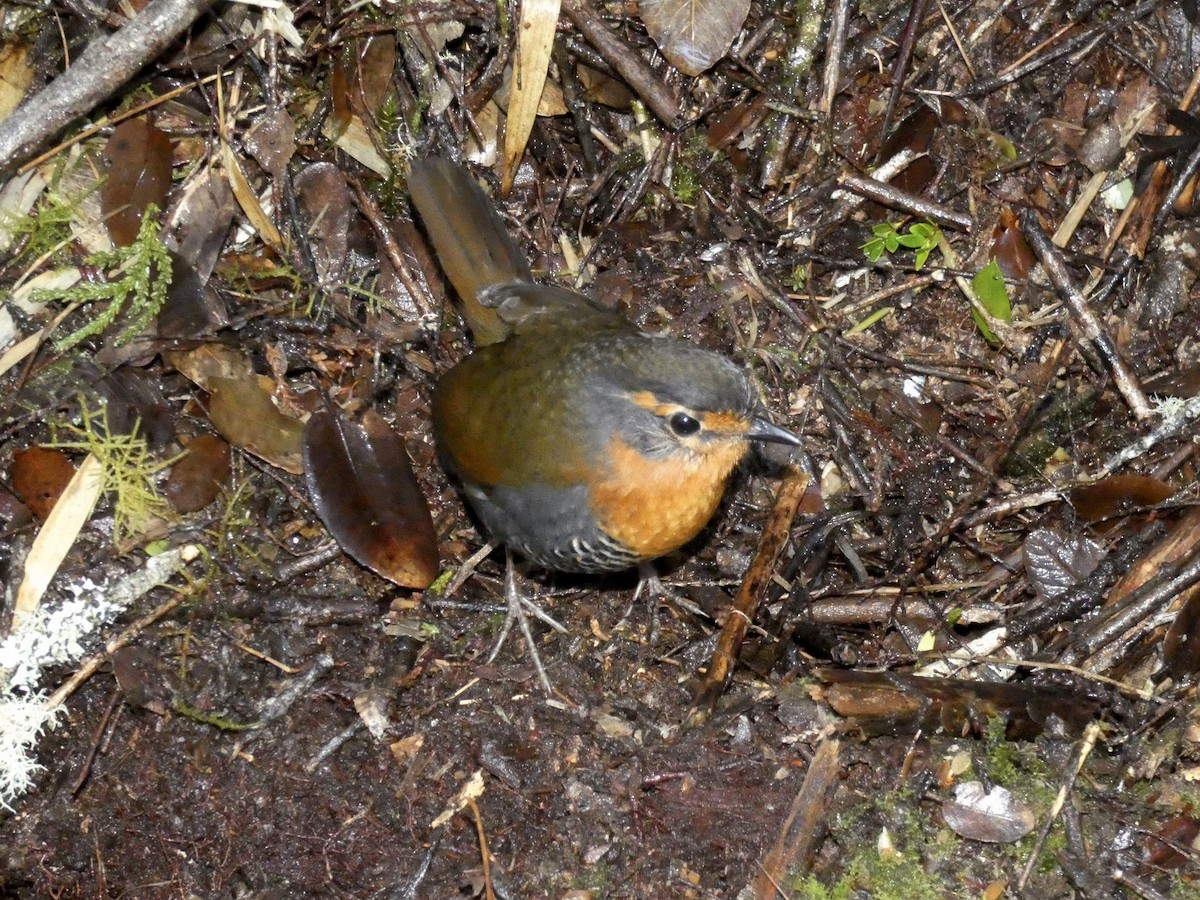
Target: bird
[{"x": 581, "y": 444}]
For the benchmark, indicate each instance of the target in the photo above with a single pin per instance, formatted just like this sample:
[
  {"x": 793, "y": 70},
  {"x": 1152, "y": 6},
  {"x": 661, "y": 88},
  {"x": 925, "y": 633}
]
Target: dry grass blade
[
  {"x": 249, "y": 202},
  {"x": 535, "y": 45},
  {"x": 53, "y": 542}
]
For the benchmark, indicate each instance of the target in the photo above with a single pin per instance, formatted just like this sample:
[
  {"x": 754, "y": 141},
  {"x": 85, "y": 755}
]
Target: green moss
[
  {"x": 216, "y": 721},
  {"x": 900, "y": 874},
  {"x": 1182, "y": 889},
  {"x": 45, "y": 233},
  {"x": 595, "y": 878},
  {"x": 138, "y": 277},
  {"x": 129, "y": 470},
  {"x": 685, "y": 183}
]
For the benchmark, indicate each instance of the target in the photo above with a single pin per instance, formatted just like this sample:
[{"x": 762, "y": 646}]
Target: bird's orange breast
[{"x": 654, "y": 505}]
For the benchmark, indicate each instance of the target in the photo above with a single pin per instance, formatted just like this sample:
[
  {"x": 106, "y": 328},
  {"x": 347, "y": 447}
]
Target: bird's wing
[{"x": 534, "y": 307}]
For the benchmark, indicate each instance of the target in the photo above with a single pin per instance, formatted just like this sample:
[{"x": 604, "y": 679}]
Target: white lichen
[{"x": 56, "y": 635}]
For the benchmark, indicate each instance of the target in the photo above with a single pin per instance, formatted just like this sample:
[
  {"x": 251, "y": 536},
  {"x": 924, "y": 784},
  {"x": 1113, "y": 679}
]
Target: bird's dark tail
[{"x": 469, "y": 238}]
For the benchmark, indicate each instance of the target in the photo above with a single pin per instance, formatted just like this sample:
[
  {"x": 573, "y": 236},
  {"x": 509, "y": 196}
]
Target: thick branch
[{"x": 107, "y": 64}]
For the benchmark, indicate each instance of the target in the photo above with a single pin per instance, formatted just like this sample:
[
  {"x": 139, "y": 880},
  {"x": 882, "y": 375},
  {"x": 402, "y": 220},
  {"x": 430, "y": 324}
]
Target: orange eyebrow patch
[
  {"x": 725, "y": 422},
  {"x": 722, "y": 422},
  {"x": 649, "y": 400}
]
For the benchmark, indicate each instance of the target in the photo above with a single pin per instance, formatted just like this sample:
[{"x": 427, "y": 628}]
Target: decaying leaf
[
  {"x": 271, "y": 140},
  {"x": 373, "y": 71},
  {"x": 39, "y": 476},
  {"x": 1118, "y": 495},
  {"x": 138, "y": 161},
  {"x": 196, "y": 479},
  {"x": 16, "y": 75},
  {"x": 242, "y": 411},
  {"x": 693, "y": 34},
  {"x": 327, "y": 204},
  {"x": 199, "y": 221},
  {"x": 363, "y": 487},
  {"x": 211, "y": 361},
  {"x": 994, "y": 816},
  {"x": 1056, "y": 562}
]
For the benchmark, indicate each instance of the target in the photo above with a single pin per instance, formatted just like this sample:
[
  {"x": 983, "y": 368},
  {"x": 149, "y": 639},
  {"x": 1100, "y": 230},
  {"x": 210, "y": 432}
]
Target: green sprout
[{"x": 922, "y": 238}]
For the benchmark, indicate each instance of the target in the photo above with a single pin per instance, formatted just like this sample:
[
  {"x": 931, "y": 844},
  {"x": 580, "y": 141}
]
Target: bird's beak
[{"x": 762, "y": 430}]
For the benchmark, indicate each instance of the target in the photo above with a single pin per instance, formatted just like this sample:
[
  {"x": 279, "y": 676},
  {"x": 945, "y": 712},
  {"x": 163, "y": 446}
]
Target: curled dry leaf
[
  {"x": 994, "y": 816},
  {"x": 1011, "y": 251},
  {"x": 363, "y": 487},
  {"x": 1056, "y": 562},
  {"x": 241, "y": 409},
  {"x": 39, "y": 476},
  {"x": 693, "y": 34},
  {"x": 327, "y": 205},
  {"x": 138, "y": 160}
]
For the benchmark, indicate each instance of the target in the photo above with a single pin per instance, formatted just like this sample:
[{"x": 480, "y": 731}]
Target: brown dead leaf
[
  {"x": 327, "y": 205},
  {"x": 363, "y": 487},
  {"x": 1118, "y": 495},
  {"x": 197, "y": 479},
  {"x": 241, "y": 409},
  {"x": 199, "y": 221},
  {"x": 39, "y": 476},
  {"x": 271, "y": 140},
  {"x": 138, "y": 160},
  {"x": 210, "y": 361},
  {"x": 693, "y": 34},
  {"x": 374, "y": 70}
]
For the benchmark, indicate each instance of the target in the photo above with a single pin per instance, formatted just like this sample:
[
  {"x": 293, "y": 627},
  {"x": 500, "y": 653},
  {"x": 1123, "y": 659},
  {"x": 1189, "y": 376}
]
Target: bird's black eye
[{"x": 683, "y": 424}]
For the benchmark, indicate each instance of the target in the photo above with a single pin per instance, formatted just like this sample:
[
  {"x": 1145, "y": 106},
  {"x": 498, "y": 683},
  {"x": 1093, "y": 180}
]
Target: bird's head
[{"x": 667, "y": 398}]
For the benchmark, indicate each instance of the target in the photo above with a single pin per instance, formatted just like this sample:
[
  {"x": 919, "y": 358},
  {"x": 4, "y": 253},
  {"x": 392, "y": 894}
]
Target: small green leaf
[{"x": 993, "y": 296}]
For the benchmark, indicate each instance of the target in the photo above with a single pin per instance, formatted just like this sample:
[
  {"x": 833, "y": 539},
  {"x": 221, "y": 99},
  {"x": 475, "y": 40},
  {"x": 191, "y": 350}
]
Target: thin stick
[
  {"x": 774, "y": 537},
  {"x": 1090, "y": 736},
  {"x": 483, "y": 851},
  {"x": 1056, "y": 267}
]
